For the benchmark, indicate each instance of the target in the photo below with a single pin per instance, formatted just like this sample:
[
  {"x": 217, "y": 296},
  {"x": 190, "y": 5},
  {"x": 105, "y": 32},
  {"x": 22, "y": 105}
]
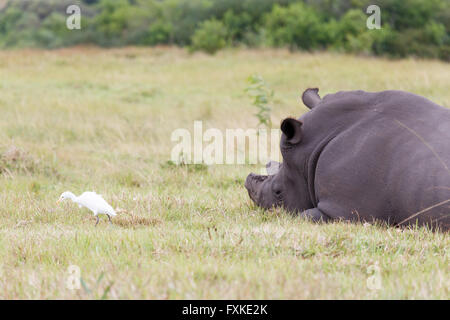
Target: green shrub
[
  {"x": 384, "y": 41},
  {"x": 435, "y": 33},
  {"x": 296, "y": 26},
  {"x": 210, "y": 37},
  {"x": 112, "y": 21},
  {"x": 444, "y": 53},
  {"x": 238, "y": 25},
  {"x": 53, "y": 31},
  {"x": 352, "y": 31},
  {"x": 158, "y": 33}
]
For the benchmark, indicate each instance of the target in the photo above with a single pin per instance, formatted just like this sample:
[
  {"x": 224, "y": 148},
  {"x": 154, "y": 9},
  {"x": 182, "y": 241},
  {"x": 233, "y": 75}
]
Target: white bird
[{"x": 92, "y": 201}]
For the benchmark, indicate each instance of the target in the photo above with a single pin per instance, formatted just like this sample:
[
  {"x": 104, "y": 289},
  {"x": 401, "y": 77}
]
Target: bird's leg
[
  {"x": 109, "y": 218},
  {"x": 97, "y": 220}
]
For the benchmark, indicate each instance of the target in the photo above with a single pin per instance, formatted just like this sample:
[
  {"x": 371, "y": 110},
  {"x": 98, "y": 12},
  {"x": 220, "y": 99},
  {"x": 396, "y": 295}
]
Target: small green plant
[
  {"x": 196, "y": 167},
  {"x": 262, "y": 96}
]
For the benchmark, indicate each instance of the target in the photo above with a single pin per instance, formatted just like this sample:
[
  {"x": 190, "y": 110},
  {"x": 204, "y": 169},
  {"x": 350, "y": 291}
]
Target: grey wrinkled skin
[{"x": 363, "y": 156}]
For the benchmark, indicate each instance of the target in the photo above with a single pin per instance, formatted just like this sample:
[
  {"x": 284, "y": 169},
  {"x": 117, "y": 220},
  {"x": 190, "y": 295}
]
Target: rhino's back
[{"x": 390, "y": 161}]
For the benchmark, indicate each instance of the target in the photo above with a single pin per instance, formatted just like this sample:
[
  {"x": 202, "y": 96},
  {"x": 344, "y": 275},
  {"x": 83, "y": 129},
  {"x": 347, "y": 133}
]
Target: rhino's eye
[{"x": 277, "y": 193}]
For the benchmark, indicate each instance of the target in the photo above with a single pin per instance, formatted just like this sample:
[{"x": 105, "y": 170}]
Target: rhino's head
[{"x": 286, "y": 184}]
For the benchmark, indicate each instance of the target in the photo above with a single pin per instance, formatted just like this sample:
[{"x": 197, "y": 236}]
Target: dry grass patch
[{"x": 131, "y": 220}]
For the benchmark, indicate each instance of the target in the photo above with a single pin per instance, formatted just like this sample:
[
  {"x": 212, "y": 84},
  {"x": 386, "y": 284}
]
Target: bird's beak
[{"x": 59, "y": 200}]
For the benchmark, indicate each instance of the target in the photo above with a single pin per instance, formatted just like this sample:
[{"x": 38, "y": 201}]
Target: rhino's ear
[
  {"x": 292, "y": 129},
  {"x": 311, "y": 97}
]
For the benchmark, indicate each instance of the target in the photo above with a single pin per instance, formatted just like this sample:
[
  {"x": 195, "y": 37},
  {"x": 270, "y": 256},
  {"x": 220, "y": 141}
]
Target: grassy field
[{"x": 90, "y": 119}]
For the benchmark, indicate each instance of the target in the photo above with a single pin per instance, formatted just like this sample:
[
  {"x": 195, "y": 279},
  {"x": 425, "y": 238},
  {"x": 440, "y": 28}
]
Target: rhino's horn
[
  {"x": 273, "y": 167},
  {"x": 311, "y": 97}
]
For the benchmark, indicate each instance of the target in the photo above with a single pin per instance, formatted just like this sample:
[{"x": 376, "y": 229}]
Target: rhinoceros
[{"x": 362, "y": 156}]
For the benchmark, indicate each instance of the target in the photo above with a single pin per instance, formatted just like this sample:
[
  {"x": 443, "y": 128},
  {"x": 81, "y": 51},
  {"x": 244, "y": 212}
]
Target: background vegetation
[{"x": 409, "y": 27}]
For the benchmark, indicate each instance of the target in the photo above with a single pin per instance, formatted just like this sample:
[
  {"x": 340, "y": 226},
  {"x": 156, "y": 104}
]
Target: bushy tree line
[{"x": 409, "y": 27}]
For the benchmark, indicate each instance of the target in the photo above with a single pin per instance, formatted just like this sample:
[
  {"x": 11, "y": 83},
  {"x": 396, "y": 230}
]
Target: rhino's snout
[
  {"x": 253, "y": 179},
  {"x": 248, "y": 181},
  {"x": 249, "y": 186},
  {"x": 253, "y": 185}
]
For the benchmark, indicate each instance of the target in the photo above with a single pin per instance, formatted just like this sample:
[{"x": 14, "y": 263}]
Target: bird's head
[{"x": 65, "y": 195}]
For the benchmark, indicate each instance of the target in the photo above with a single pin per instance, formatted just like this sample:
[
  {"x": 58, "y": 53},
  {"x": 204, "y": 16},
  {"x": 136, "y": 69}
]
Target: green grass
[{"x": 89, "y": 119}]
